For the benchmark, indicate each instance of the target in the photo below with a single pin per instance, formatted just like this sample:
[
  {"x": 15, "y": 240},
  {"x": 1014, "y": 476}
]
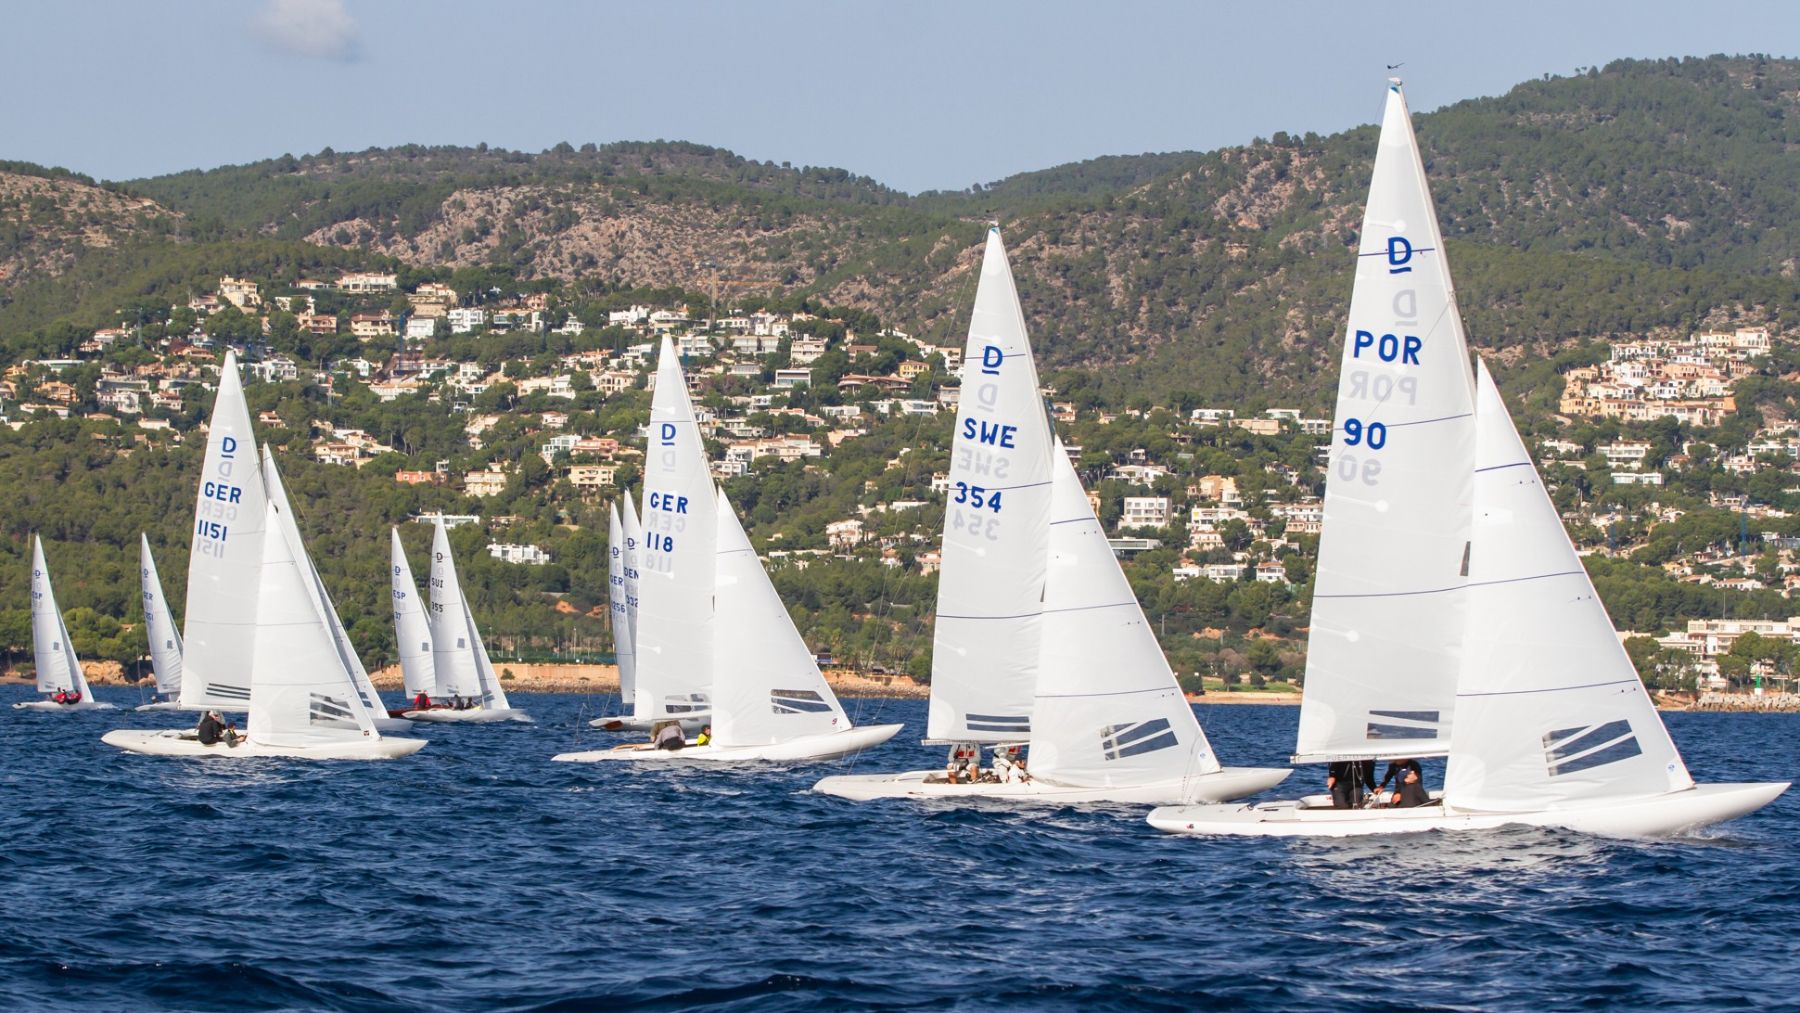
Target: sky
[{"x": 919, "y": 95}]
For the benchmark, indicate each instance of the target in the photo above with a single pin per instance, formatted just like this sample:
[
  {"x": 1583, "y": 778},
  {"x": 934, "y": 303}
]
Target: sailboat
[
  {"x": 622, "y": 593},
  {"x": 672, "y": 633},
  {"x": 302, "y": 702},
  {"x": 1553, "y": 726},
  {"x": 412, "y": 631},
  {"x": 58, "y": 669},
  {"x": 160, "y": 632},
  {"x": 458, "y": 657},
  {"x": 770, "y": 701},
  {"x": 1038, "y": 637},
  {"x": 360, "y": 682}
]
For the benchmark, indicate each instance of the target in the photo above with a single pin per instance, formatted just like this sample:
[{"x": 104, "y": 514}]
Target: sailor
[
  {"x": 669, "y": 737},
  {"x": 422, "y": 702},
  {"x": 1340, "y": 780},
  {"x": 705, "y": 738},
  {"x": 61, "y": 696},
  {"x": 1412, "y": 789},
  {"x": 210, "y": 729},
  {"x": 959, "y": 768},
  {"x": 1396, "y": 773},
  {"x": 74, "y": 696},
  {"x": 1009, "y": 765}
]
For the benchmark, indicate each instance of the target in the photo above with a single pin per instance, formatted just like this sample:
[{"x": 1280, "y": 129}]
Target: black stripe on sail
[
  {"x": 1571, "y": 750},
  {"x": 791, "y": 702},
  {"x": 1430, "y": 717},
  {"x": 234, "y": 692},
  {"x": 1120, "y": 741}
]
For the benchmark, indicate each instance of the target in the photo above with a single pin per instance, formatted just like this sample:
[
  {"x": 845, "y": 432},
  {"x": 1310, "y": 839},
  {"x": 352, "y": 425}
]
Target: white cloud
[{"x": 321, "y": 29}]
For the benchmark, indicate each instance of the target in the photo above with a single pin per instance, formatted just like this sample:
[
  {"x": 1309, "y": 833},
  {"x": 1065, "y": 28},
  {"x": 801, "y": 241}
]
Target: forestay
[
  {"x": 225, "y": 562},
  {"x": 1109, "y": 711},
  {"x": 58, "y": 669},
  {"x": 768, "y": 687},
  {"x": 1388, "y": 600},
  {"x": 412, "y": 632},
  {"x": 675, "y": 573},
  {"x": 452, "y": 646},
  {"x": 618, "y": 609},
  {"x": 1549, "y": 711},
  {"x": 159, "y": 626},
  {"x": 284, "y": 514},
  {"x": 991, "y": 583}
]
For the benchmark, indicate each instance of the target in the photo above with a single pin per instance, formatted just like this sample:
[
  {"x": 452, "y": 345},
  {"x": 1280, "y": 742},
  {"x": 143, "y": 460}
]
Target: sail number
[
  {"x": 978, "y": 496},
  {"x": 659, "y": 542},
  {"x": 1375, "y": 433}
]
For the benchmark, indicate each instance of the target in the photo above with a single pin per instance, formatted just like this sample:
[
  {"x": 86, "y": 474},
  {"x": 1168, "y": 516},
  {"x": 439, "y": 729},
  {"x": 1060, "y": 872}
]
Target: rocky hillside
[
  {"x": 48, "y": 217},
  {"x": 1645, "y": 195}
]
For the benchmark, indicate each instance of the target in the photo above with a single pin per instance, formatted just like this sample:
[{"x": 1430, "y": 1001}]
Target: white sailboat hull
[
  {"x": 624, "y": 723},
  {"x": 52, "y": 705},
  {"x": 160, "y": 705},
  {"x": 477, "y": 715},
  {"x": 183, "y": 743},
  {"x": 803, "y": 749},
  {"x": 1655, "y": 816},
  {"x": 1227, "y": 783}
]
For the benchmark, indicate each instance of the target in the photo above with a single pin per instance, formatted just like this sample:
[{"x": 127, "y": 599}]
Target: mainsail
[
  {"x": 58, "y": 669},
  {"x": 991, "y": 585},
  {"x": 1549, "y": 710},
  {"x": 412, "y": 632},
  {"x": 1109, "y": 711},
  {"x": 674, "y": 642},
  {"x": 225, "y": 564},
  {"x": 1388, "y": 598},
  {"x": 159, "y": 627},
  {"x": 768, "y": 687}
]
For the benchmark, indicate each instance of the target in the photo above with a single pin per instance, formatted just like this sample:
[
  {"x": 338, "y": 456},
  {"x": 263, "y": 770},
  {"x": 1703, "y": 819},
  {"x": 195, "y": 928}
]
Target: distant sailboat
[
  {"x": 303, "y": 704},
  {"x": 1039, "y": 638},
  {"x": 770, "y": 701},
  {"x": 353, "y": 666},
  {"x": 412, "y": 631},
  {"x": 458, "y": 658},
  {"x": 1553, "y": 726},
  {"x": 621, "y": 593},
  {"x": 58, "y": 669},
  {"x": 160, "y": 632}
]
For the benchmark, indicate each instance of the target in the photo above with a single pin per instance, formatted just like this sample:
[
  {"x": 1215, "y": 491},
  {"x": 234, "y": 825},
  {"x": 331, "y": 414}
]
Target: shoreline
[{"x": 850, "y": 684}]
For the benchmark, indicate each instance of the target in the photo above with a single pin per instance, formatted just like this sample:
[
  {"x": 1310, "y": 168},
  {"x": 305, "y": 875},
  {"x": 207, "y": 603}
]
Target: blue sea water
[{"x": 478, "y": 875}]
